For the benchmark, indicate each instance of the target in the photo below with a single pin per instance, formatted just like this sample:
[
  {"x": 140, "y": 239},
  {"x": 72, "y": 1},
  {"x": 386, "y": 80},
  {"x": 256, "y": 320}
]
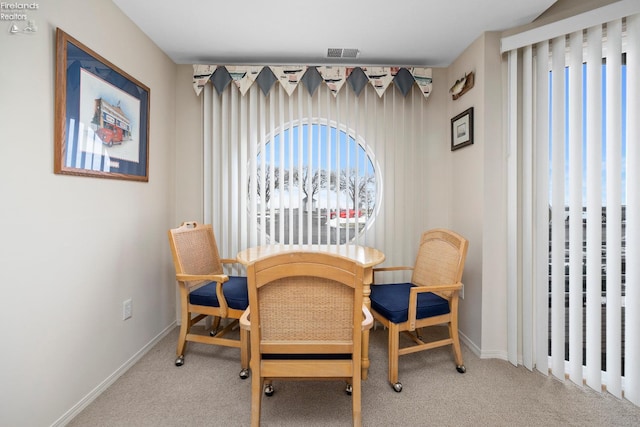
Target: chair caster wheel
[
  {"x": 461, "y": 369},
  {"x": 212, "y": 333},
  {"x": 180, "y": 361},
  {"x": 244, "y": 374},
  {"x": 268, "y": 390},
  {"x": 397, "y": 387},
  {"x": 349, "y": 389}
]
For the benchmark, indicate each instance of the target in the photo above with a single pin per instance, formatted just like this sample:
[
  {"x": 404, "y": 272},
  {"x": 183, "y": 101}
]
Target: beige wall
[
  {"x": 478, "y": 205},
  {"x": 188, "y": 156},
  {"x": 494, "y": 227},
  {"x": 466, "y": 177},
  {"x": 75, "y": 248}
]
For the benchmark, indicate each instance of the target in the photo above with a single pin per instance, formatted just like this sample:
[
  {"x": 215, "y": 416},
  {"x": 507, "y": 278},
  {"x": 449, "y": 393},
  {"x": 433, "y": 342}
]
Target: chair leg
[
  {"x": 457, "y": 352},
  {"x": 244, "y": 353},
  {"x": 256, "y": 399},
  {"x": 215, "y": 325},
  {"x": 182, "y": 339},
  {"x": 356, "y": 396},
  {"x": 394, "y": 348}
]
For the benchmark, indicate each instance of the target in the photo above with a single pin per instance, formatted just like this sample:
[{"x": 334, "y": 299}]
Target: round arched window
[{"x": 314, "y": 183}]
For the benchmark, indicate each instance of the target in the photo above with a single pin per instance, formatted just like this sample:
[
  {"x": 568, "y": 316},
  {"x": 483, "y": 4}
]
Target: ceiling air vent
[{"x": 342, "y": 53}]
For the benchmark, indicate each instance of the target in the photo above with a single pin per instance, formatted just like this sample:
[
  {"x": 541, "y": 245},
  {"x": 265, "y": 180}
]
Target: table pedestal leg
[{"x": 366, "y": 291}]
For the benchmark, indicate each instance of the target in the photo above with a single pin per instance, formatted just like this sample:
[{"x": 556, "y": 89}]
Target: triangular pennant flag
[
  {"x": 334, "y": 77},
  {"x": 403, "y": 81},
  {"x": 221, "y": 79},
  {"x": 201, "y": 75},
  {"x": 357, "y": 79},
  {"x": 423, "y": 78},
  {"x": 266, "y": 79},
  {"x": 289, "y": 76},
  {"x": 379, "y": 77},
  {"x": 311, "y": 80},
  {"x": 243, "y": 76}
]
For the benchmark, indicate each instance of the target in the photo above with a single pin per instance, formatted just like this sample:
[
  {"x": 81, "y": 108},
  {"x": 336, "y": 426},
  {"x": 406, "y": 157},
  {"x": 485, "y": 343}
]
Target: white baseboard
[
  {"x": 93, "y": 394},
  {"x": 482, "y": 354}
]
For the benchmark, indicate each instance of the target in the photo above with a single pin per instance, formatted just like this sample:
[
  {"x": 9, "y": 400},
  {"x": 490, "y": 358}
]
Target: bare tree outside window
[
  {"x": 359, "y": 188},
  {"x": 310, "y": 183},
  {"x": 267, "y": 182}
]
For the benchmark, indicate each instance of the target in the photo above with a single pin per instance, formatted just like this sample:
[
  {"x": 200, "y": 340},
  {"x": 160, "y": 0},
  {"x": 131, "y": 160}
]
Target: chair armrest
[
  {"x": 220, "y": 278},
  {"x": 437, "y": 288},
  {"x": 381, "y": 269},
  {"x": 245, "y": 322},
  {"x": 229, "y": 261},
  {"x": 392, "y": 268},
  {"x": 367, "y": 322},
  {"x": 413, "y": 298}
]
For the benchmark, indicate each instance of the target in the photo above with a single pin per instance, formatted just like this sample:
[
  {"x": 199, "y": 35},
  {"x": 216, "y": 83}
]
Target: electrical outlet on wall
[{"x": 127, "y": 309}]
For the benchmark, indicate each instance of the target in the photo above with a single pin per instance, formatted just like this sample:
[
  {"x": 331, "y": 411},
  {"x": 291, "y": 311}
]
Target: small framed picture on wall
[{"x": 462, "y": 129}]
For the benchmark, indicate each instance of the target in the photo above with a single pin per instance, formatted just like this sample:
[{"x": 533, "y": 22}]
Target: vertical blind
[
  {"x": 573, "y": 120},
  {"x": 366, "y": 152}
]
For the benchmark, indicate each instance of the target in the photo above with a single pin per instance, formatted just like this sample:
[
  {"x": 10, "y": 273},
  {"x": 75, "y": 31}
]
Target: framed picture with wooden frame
[
  {"x": 462, "y": 129},
  {"x": 101, "y": 116}
]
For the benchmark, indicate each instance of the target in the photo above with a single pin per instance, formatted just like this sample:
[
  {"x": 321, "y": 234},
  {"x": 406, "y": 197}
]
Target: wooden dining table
[{"x": 368, "y": 257}]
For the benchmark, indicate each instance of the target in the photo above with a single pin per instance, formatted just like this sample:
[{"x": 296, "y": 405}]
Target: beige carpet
[{"x": 207, "y": 391}]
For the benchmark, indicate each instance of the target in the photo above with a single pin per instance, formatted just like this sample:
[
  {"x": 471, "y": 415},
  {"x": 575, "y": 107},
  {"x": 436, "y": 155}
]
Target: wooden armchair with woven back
[
  {"x": 205, "y": 290},
  {"x": 429, "y": 299},
  {"x": 306, "y": 317}
]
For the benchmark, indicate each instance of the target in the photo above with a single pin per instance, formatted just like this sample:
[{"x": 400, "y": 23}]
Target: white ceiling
[{"x": 277, "y": 32}]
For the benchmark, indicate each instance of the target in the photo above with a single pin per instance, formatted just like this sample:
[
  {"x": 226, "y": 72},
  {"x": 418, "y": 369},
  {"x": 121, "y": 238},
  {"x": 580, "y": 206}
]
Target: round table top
[{"x": 363, "y": 255}]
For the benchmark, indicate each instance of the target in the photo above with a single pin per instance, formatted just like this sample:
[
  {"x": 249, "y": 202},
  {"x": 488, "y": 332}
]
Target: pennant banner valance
[{"x": 291, "y": 76}]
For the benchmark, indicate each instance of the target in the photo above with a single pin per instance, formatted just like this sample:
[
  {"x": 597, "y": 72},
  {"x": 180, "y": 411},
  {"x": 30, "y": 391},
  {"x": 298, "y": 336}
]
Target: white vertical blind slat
[
  {"x": 265, "y": 175},
  {"x": 291, "y": 167},
  {"x": 252, "y": 126},
  {"x": 272, "y": 152},
  {"x": 594, "y": 208},
  {"x": 314, "y": 169},
  {"x": 299, "y": 166},
  {"x": 541, "y": 154},
  {"x": 232, "y": 156},
  {"x": 557, "y": 207},
  {"x": 246, "y": 209},
  {"x": 207, "y": 154},
  {"x": 614, "y": 191},
  {"x": 327, "y": 138},
  {"x": 284, "y": 174},
  {"x": 338, "y": 158},
  {"x": 527, "y": 209},
  {"x": 225, "y": 201},
  {"x": 575, "y": 208},
  {"x": 348, "y": 121},
  {"x": 632, "y": 306},
  {"x": 356, "y": 107},
  {"x": 512, "y": 217}
]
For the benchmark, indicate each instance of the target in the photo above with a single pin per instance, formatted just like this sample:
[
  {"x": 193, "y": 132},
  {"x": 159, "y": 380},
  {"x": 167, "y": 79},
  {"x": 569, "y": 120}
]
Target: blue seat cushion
[
  {"x": 235, "y": 292},
  {"x": 392, "y": 302}
]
